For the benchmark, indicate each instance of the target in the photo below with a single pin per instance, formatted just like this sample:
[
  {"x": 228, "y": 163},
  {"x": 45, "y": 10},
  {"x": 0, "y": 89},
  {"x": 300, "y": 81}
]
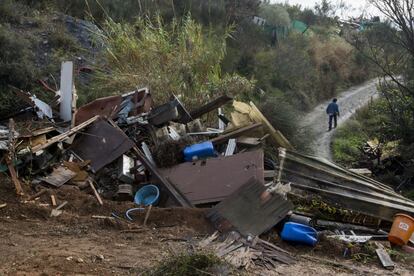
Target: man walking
[{"x": 333, "y": 111}]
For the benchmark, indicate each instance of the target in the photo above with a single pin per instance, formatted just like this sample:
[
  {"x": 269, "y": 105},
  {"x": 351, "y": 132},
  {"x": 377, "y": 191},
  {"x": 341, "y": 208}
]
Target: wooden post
[
  {"x": 13, "y": 174},
  {"x": 11, "y": 157}
]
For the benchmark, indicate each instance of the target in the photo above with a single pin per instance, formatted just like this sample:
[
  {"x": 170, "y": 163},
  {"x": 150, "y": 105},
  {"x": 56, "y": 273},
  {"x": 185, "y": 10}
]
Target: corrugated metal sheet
[
  {"x": 248, "y": 211},
  {"x": 342, "y": 187}
]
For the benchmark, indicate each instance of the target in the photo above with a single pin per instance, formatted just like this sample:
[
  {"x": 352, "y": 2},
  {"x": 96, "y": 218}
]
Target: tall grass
[{"x": 181, "y": 58}]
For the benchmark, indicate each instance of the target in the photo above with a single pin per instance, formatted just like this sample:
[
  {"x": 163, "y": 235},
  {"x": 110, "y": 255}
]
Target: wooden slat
[
  {"x": 235, "y": 133},
  {"x": 63, "y": 136},
  {"x": 213, "y": 105}
]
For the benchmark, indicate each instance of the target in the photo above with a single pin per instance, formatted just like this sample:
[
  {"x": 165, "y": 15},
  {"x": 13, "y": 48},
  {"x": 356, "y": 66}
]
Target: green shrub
[
  {"x": 9, "y": 12},
  {"x": 59, "y": 38},
  {"x": 284, "y": 117},
  {"x": 180, "y": 58},
  {"x": 17, "y": 67},
  {"x": 186, "y": 265},
  {"x": 347, "y": 143}
]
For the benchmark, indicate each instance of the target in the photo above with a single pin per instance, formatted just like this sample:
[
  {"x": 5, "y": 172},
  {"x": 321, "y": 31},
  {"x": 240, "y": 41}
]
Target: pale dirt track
[{"x": 349, "y": 101}]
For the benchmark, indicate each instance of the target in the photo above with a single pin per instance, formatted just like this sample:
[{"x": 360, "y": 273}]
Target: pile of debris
[{"x": 125, "y": 148}]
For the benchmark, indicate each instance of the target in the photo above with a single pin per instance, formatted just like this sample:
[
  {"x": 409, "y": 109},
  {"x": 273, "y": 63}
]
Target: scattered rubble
[{"x": 126, "y": 148}]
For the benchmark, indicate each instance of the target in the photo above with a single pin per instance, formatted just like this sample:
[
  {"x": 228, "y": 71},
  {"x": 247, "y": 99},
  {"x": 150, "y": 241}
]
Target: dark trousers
[{"x": 332, "y": 117}]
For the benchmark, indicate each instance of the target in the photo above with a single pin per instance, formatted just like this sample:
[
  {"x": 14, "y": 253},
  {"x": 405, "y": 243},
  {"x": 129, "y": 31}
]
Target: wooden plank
[
  {"x": 234, "y": 133},
  {"x": 278, "y": 137},
  {"x": 53, "y": 199},
  {"x": 63, "y": 136},
  {"x": 41, "y": 192},
  {"x": 213, "y": 105},
  {"x": 95, "y": 192}
]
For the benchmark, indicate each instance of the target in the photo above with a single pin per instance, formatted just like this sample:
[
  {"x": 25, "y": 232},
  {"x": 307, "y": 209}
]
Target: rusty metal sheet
[
  {"x": 142, "y": 100},
  {"x": 110, "y": 106},
  {"x": 212, "y": 180},
  {"x": 105, "y": 107},
  {"x": 101, "y": 143}
]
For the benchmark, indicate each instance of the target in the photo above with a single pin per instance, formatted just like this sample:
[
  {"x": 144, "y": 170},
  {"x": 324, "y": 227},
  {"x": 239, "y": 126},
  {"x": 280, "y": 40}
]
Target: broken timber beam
[
  {"x": 13, "y": 174},
  {"x": 276, "y": 134},
  {"x": 180, "y": 199},
  {"x": 10, "y": 157},
  {"x": 63, "y": 136},
  {"x": 235, "y": 133},
  {"x": 213, "y": 105}
]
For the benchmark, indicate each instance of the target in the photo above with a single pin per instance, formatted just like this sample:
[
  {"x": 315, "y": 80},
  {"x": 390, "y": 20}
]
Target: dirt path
[{"x": 349, "y": 101}]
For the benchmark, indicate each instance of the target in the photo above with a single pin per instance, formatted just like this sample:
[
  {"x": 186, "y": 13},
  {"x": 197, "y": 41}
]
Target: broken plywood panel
[
  {"x": 212, "y": 180},
  {"x": 59, "y": 176},
  {"x": 102, "y": 144}
]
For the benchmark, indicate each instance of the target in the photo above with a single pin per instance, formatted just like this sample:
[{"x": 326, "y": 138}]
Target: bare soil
[{"x": 75, "y": 243}]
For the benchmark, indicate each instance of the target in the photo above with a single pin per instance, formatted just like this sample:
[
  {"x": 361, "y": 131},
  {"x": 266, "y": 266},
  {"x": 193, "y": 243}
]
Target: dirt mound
[{"x": 82, "y": 206}]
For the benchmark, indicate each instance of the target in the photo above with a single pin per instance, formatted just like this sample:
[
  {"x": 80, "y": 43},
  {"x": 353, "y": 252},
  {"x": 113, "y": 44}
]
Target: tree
[
  {"x": 390, "y": 46},
  {"x": 275, "y": 14}
]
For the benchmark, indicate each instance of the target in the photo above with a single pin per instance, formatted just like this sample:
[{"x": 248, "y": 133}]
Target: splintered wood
[
  {"x": 245, "y": 254},
  {"x": 11, "y": 157}
]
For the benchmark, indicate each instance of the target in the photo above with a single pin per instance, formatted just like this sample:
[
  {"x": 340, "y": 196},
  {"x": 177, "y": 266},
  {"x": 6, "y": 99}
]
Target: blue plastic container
[
  {"x": 199, "y": 151},
  {"x": 147, "y": 195},
  {"x": 299, "y": 233}
]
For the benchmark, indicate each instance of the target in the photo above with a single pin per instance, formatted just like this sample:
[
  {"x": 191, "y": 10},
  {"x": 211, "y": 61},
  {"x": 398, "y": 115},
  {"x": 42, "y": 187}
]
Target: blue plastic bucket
[
  {"x": 299, "y": 233},
  {"x": 147, "y": 195}
]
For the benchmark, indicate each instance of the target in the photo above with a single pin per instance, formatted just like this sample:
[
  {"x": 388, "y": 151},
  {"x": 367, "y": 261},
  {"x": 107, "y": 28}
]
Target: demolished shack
[{"x": 127, "y": 148}]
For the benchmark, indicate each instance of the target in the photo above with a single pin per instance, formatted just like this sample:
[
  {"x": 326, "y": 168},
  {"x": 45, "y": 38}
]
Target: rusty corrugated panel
[
  {"x": 105, "y": 107},
  {"x": 101, "y": 143},
  {"x": 212, "y": 180},
  {"x": 110, "y": 106}
]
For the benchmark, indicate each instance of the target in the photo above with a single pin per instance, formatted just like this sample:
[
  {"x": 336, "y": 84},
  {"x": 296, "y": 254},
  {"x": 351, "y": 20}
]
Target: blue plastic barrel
[
  {"x": 202, "y": 150},
  {"x": 147, "y": 195},
  {"x": 299, "y": 233}
]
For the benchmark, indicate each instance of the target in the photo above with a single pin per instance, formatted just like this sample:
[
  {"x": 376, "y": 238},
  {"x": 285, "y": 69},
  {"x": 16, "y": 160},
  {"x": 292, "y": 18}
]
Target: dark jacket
[{"x": 332, "y": 109}]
